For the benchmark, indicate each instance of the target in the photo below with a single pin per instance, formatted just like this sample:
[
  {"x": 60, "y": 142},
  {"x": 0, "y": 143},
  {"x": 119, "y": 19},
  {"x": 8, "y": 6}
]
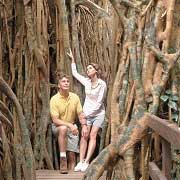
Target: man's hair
[{"x": 61, "y": 75}]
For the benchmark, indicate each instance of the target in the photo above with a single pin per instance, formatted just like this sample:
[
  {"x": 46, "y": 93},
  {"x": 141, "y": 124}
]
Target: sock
[{"x": 62, "y": 154}]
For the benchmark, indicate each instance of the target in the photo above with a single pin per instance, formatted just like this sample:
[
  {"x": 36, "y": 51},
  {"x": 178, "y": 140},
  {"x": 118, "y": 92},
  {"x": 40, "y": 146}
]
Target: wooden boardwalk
[{"x": 55, "y": 175}]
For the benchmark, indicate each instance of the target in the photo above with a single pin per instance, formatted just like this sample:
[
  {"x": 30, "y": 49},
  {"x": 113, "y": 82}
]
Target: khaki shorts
[{"x": 72, "y": 140}]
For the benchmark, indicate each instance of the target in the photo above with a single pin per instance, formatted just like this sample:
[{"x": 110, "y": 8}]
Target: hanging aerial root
[
  {"x": 6, "y": 121},
  {"x": 28, "y": 153},
  {"x": 100, "y": 12},
  {"x": 6, "y": 111}
]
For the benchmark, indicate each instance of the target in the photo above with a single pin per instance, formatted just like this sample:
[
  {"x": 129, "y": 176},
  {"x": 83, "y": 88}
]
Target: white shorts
[{"x": 96, "y": 121}]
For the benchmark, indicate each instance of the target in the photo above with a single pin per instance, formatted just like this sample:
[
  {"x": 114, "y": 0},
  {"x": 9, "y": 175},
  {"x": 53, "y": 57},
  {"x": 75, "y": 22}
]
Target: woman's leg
[
  {"x": 92, "y": 143},
  {"x": 83, "y": 145}
]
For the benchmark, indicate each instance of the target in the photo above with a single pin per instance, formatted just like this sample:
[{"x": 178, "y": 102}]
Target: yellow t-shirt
[{"x": 65, "y": 109}]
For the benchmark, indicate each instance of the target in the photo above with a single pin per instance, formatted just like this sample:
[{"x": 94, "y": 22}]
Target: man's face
[{"x": 64, "y": 84}]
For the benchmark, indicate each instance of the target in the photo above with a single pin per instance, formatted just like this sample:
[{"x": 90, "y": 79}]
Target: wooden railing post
[
  {"x": 0, "y": 129},
  {"x": 1, "y": 145},
  {"x": 166, "y": 158}
]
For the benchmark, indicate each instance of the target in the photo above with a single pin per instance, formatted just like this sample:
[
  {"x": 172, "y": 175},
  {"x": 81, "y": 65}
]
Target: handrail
[
  {"x": 1, "y": 145},
  {"x": 170, "y": 134},
  {"x": 165, "y": 129}
]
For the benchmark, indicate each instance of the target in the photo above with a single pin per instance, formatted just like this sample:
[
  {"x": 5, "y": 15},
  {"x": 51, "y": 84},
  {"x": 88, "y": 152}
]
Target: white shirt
[{"x": 94, "y": 101}]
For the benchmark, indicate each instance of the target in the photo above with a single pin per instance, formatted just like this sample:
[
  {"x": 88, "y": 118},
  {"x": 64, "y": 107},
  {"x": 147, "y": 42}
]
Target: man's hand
[
  {"x": 71, "y": 55},
  {"x": 82, "y": 115},
  {"x": 82, "y": 118},
  {"x": 74, "y": 129},
  {"x": 84, "y": 131}
]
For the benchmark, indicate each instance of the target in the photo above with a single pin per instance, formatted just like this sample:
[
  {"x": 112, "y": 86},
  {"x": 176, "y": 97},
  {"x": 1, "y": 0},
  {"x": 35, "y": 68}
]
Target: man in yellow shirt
[{"x": 64, "y": 107}]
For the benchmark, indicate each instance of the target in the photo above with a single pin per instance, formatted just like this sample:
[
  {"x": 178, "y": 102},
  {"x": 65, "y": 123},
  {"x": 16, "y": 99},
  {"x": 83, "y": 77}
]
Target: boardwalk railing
[
  {"x": 170, "y": 134},
  {"x": 1, "y": 145}
]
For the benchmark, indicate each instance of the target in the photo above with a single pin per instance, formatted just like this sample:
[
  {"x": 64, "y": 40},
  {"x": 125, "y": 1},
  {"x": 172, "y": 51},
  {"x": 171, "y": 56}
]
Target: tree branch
[
  {"x": 99, "y": 164},
  {"x": 132, "y": 4},
  {"x": 157, "y": 52},
  {"x": 100, "y": 12}
]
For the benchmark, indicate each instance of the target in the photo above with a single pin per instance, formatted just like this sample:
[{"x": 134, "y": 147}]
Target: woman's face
[{"x": 91, "y": 71}]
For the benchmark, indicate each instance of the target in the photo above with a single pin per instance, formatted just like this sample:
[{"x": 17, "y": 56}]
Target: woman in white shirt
[{"x": 94, "y": 110}]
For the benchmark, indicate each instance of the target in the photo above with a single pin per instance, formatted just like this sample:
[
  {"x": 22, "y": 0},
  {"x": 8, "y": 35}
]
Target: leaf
[
  {"x": 164, "y": 97},
  {"x": 175, "y": 117},
  {"x": 172, "y": 105},
  {"x": 171, "y": 50},
  {"x": 168, "y": 92},
  {"x": 174, "y": 178},
  {"x": 174, "y": 98}
]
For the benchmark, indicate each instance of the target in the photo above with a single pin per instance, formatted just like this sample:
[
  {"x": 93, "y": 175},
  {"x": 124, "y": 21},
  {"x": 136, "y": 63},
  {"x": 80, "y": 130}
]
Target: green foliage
[
  {"x": 171, "y": 101},
  {"x": 164, "y": 98},
  {"x": 172, "y": 50},
  {"x": 175, "y": 117},
  {"x": 172, "y": 105},
  {"x": 168, "y": 92},
  {"x": 174, "y": 178}
]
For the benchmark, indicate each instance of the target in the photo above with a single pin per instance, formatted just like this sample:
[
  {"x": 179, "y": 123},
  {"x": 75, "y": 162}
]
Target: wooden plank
[
  {"x": 59, "y": 178},
  {"x": 166, "y": 129},
  {"x": 55, "y": 175},
  {"x": 46, "y": 172},
  {"x": 166, "y": 159},
  {"x": 64, "y": 178},
  {"x": 155, "y": 172}
]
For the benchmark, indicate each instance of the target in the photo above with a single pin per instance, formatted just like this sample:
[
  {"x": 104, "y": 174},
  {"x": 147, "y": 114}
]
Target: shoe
[
  {"x": 84, "y": 166},
  {"x": 63, "y": 165},
  {"x": 78, "y": 166}
]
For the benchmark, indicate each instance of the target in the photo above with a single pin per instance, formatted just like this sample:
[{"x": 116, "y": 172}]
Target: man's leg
[
  {"x": 62, "y": 141},
  {"x": 71, "y": 156},
  {"x": 72, "y": 149}
]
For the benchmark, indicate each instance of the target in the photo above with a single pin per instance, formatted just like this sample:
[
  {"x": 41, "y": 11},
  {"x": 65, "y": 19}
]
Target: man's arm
[
  {"x": 82, "y": 119},
  {"x": 80, "y": 113},
  {"x": 83, "y": 122}
]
